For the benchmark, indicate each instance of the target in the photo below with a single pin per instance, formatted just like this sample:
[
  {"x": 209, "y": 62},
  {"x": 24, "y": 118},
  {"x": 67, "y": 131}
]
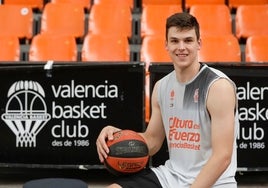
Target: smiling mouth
[{"x": 182, "y": 55}]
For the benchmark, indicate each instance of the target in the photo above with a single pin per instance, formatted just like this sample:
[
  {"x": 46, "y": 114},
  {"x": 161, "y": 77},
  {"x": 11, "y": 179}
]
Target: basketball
[{"x": 128, "y": 153}]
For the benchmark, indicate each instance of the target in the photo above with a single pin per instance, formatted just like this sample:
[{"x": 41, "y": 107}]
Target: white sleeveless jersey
[{"x": 188, "y": 129}]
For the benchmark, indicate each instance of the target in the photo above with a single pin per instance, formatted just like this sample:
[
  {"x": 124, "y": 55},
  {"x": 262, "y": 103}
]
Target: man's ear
[
  {"x": 166, "y": 45},
  {"x": 199, "y": 43}
]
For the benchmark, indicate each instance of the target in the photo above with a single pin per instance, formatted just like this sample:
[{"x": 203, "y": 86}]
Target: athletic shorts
[{"x": 145, "y": 178}]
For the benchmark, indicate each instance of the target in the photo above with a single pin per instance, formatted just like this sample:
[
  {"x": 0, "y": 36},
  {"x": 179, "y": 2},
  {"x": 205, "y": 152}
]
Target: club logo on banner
[{"x": 26, "y": 112}]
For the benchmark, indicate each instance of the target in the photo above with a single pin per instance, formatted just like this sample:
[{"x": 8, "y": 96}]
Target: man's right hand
[{"x": 105, "y": 134}]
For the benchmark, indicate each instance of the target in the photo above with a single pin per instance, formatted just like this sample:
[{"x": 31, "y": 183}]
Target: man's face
[{"x": 182, "y": 46}]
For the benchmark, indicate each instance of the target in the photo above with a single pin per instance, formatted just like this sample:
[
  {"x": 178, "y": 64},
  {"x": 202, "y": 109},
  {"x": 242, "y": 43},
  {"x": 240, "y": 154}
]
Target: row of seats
[
  {"x": 38, "y": 5},
  {"x": 64, "y": 48},
  {"x": 232, "y": 4},
  {"x": 65, "y": 19},
  {"x": 223, "y": 48},
  {"x": 213, "y": 19},
  {"x": 218, "y": 49},
  {"x": 69, "y": 19}
]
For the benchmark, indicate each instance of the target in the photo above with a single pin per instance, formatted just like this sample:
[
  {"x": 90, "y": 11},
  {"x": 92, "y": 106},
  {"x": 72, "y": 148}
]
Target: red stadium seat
[
  {"x": 9, "y": 48},
  {"x": 129, "y": 3},
  {"x": 16, "y": 20},
  {"x": 84, "y": 3},
  {"x": 153, "y": 50},
  {"x": 34, "y": 4},
  {"x": 256, "y": 49},
  {"x": 46, "y": 47},
  {"x": 250, "y": 20},
  {"x": 63, "y": 19},
  {"x": 112, "y": 48},
  {"x": 190, "y": 3},
  {"x": 213, "y": 19},
  {"x": 222, "y": 48},
  {"x": 234, "y": 4},
  {"x": 109, "y": 19},
  {"x": 152, "y": 22},
  {"x": 161, "y": 2}
]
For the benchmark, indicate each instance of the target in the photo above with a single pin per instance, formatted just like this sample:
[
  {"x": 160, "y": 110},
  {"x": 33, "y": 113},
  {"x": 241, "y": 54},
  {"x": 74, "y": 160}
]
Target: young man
[{"x": 195, "y": 107}]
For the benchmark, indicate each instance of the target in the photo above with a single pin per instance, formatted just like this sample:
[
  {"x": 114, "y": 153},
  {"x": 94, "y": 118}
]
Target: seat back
[
  {"x": 34, "y": 4},
  {"x": 234, "y": 4},
  {"x": 213, "y": 19},
  {"x": 250, "y": 20},
  {"x": 108, "y": 19},
  {"x": 129, "y": 3},
  {"x": 161, "y": 2},
  {"x": 16, "y": 20},
  {"x": 9, "y": 48},
  {"x": 190, "y": 3},
  {"x": 154, "y": 23},
  {"x": 84, "y": 3},
  {"x": 153, "y": 50},
  {"x": 112, "y": 48},
  {"x": 222, "y": 48},
  {"x": 256, "y": 49},
  {"x": 46, "y": 47},
  {"x": 64, "y": 19}
]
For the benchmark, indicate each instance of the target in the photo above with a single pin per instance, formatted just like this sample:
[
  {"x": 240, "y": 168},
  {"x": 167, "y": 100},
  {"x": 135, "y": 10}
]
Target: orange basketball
[{"x": 128, "y": 153}]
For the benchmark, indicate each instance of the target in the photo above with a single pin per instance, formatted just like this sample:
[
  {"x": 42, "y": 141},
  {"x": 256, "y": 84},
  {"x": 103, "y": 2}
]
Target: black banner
[
  {"x": 252, "y": 93},
  {"x": 53, "y": 117}
]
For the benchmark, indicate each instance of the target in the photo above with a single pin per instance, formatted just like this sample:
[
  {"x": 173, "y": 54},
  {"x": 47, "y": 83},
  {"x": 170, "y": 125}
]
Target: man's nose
[{"x": 181, "y": 45}]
